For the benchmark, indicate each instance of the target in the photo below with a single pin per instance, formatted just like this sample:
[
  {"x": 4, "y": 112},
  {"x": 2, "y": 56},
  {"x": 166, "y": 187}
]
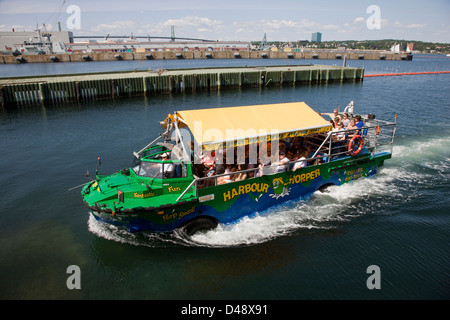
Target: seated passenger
[
  {"x": 300, "y": 164},
  {"x": 226, "y": 179},
  {"x": 351, "y": 128},
  {"x": 218, "y": 162},
  {"x": 282, "y": 145},
  {"x": 263, "y": 167},
  {"x": 310, "y": 151},
  {"x": 281, "y": 163},
  {"x": 167, "y": 168},
  {"x": 339, "y": 136},
  {"x": 336, "y": 122},
  {"x": 296, "y": 144},
  {"x": 209, "y": 171},
  {"x": 252, "y": 173},
  {"x": 264, "y": 154},
  {"x": 322, "y": 155},
  {"x": 241, "y": 175},
  {"x": 345, "y": 120},
  {"x": 291, "y": 155},
  {"x": 359, "y": 122}
]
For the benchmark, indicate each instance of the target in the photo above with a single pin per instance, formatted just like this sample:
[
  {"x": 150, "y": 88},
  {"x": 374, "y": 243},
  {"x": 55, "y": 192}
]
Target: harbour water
[{"x": 318, "y": 248}]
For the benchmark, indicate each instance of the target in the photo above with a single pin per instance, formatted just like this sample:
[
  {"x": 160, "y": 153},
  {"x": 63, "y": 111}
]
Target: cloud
[
  {"x": 122, "y": 27},
  {"x": 188, "y": 26},
  {"x": 192, "y": 21},
  {"x": 330, "y": 27},
  {"x": 416, "y": 26}
]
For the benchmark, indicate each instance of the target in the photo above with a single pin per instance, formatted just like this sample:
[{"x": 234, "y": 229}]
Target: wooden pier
[{"x": 58, "y": 89}]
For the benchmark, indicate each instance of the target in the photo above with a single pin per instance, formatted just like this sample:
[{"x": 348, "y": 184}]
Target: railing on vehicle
[{"x": 378, "y": 136}]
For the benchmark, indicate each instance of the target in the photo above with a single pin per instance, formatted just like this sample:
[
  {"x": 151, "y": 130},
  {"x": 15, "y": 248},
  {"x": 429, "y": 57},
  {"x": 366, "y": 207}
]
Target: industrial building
[
  {"x": 43, "y": 42},
  {"x": 28, "y": 40}
]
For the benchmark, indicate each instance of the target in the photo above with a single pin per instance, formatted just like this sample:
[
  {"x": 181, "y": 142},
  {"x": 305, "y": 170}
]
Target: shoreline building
[{"x": 316, "y": 37}]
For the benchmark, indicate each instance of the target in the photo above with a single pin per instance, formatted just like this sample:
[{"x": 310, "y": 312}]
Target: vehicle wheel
[
  {"x": 199, "y": 224},
  {"x": 325, "y": 188}
]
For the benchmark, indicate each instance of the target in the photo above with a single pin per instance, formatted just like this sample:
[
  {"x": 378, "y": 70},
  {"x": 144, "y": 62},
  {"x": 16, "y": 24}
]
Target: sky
[{"x": 237, "y": 20}]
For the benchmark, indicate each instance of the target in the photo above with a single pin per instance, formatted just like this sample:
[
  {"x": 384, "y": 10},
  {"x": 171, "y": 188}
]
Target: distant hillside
[{"x": 385, "y": 44}]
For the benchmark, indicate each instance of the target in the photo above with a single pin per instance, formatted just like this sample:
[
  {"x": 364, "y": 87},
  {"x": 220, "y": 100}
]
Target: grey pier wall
[
  {"x": 51, "y": 90},
  {"x": 176, "y": 55}
]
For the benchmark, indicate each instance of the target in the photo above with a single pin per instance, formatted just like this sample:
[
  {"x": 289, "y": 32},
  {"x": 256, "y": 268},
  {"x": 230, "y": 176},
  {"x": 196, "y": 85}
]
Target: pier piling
[{"x": 47, "y": 90}]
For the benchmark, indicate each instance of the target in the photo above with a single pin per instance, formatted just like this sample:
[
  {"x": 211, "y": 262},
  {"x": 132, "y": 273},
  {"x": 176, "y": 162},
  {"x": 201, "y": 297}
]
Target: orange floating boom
[{"x": 403, "y": 74}]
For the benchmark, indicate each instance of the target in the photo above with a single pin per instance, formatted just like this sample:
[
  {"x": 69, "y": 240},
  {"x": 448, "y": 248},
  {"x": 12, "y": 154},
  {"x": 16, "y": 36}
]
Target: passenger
[
  {"x": 250, "y": 161},
  {"x": 241, "y": 175},
  {"x": 332, "y": 115},
  {"x": 281, "y": 163},
  {"x": 252, "y": 173},
  {"x": 264, "y": 153},
  {"x": 359, "y": 122},
  {"x": 288, "y": 142},
  {"x": 210, "y": 169},
  {"x": 291, "y": 155},
  {"x": 351, "y": 128},
  {"x": 301, "y": 163},
  {"x": 322, "y": 155},
  {"x": 339, "y": 136},
  {"x": 219, "y": 159},
  {"x": 310, "y": 153},
  {"x": 264, "y": 167},
  {"x": 225, "y": 179},
  {"x": 345, "y": 120},
  {"x": 282, "y": 145},
  {"x": 298, "y": 142},
  {"x": 336, "y": 114},
  {"x": 336, "y": 122},
  {"x": 208, "y": 158},
  {"x": 338, "y": 144}
]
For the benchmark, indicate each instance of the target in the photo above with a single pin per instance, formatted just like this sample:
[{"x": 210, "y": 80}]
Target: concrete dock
[
  {"x": 58, "y": 89},
  {"x": 203, "y": 54}
]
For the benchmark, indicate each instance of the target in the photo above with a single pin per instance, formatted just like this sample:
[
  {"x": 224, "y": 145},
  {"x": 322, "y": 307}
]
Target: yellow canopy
[{"x": 212, "y": 128}]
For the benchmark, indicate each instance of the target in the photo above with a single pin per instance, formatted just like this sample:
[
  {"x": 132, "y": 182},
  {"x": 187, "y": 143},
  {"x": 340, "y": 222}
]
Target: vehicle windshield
[
  {"x": 148, "y": 169},
  {"x": 152, "y": 169}
]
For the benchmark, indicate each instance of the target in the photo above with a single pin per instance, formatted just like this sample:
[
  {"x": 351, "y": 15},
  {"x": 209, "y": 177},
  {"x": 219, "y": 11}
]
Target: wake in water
[
  {"x": 321, "y": 211},
  {"x": 412, "y": 169}
]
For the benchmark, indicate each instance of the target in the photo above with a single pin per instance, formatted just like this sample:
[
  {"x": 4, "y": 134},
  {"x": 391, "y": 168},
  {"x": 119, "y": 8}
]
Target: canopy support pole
[
  {"x": 178, "y": 135},
  {"x": 184, "y": 192},
  {"x": 323, "y": 143}
]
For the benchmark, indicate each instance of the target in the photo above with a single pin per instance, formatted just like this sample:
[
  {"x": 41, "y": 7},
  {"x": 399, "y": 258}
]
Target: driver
[{"x": 168, "y": 166}]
